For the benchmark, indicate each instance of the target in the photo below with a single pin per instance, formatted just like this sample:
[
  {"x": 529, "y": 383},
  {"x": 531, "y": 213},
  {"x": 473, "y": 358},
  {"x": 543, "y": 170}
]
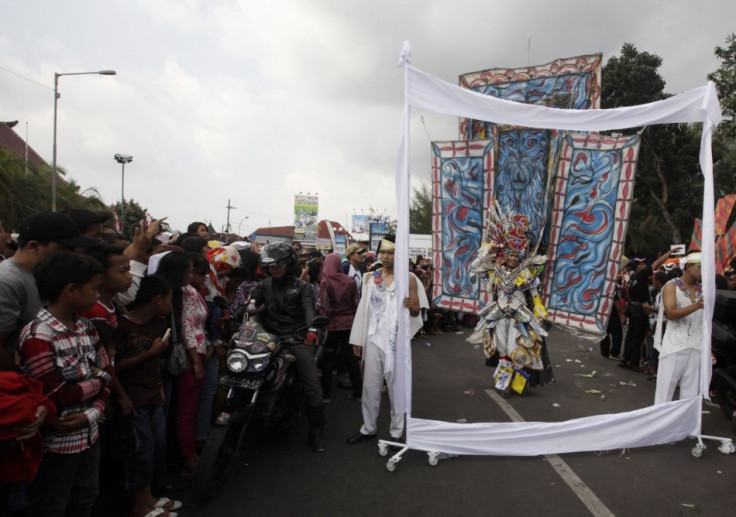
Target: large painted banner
[
  {"x": 306, "y": 208},
  {"x": 568, "y": 83},
  {"x": 696, "y": 241},
  {"x": 592, "y": 199},
  {"x": 522, "y": 161},
  {"x": 526, "y": 157},
  {"x": 723, "y": 212},
  {"x": 462, "y": 190}
]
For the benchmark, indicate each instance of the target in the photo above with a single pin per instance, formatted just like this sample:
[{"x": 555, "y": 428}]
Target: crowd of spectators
[{"x": 88, "y": 319}]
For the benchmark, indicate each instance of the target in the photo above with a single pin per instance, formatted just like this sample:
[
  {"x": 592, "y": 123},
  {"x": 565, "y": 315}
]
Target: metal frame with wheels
[
  {"x": 433, "y": 457},
  {"x": 726, "y": 447}
]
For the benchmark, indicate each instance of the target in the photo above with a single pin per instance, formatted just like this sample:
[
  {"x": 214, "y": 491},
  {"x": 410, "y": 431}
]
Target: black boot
[{"x": 317, "y": 421}]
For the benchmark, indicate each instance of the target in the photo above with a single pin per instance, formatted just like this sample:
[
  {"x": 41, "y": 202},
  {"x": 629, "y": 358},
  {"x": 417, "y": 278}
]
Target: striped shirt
[{"x": 69, "y": 362}]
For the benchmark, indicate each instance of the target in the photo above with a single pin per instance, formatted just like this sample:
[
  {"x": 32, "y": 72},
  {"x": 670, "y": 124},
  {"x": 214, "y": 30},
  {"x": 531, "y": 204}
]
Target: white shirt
[{"x": 357, "y": 276}]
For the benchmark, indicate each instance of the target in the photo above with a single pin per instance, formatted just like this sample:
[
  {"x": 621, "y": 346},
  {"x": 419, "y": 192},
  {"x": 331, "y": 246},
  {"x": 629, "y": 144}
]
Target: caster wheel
[
  {"x": 433, "y": 460},
  {"x": 697, "y": 452},
  {"x": 383, "y": 450},
  {"x": 727, "y": 447},
  {"x": 390, "y": 466}
]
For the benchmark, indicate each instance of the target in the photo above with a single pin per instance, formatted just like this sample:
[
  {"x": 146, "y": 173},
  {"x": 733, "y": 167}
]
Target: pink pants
[{"x": 186, "y": 409}]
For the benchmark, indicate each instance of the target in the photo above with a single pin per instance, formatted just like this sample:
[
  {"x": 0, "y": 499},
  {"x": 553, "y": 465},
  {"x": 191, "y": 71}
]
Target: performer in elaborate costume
[{"x": 511, "y": 324}]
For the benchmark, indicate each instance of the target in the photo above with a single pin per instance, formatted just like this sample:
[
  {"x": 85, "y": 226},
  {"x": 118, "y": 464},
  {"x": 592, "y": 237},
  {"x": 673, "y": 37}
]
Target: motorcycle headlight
[
  {"x": 237, "y": 361},
  {"x": 258, "y": 364}
]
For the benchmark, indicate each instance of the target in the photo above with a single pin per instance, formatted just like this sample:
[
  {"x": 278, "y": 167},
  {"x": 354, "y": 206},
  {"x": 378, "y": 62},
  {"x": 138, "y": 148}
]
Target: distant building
[
  {"x": 11, "y": 141},
  {"x": 273, "y": 234}
]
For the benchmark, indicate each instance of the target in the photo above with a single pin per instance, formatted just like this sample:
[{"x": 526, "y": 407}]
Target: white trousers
[
  {"x": 681, "y": 367},
  {"x": 373, "y": 376}
]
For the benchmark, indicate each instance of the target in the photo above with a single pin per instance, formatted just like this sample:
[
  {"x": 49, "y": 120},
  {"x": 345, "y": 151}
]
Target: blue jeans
[
  {"x": 203, "y": 419},
  {"x": 150, "y": 428}
]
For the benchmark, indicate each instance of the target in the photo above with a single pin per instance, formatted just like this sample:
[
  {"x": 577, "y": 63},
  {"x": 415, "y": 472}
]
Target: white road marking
[{"x": 584, "y": 493}]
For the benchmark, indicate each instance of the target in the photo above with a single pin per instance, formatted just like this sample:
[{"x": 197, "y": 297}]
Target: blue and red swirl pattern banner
[
  {"x": 590, "y": 214},
  {"x": 462, "y": 189},
  {"x": 567, "y": 83}
]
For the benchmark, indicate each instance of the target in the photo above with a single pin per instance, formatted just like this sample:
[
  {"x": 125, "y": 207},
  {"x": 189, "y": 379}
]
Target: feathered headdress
[{"x": 507, "y": 231}]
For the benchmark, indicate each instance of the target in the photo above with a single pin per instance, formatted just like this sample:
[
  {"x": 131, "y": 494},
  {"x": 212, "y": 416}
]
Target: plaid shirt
[{"x": 62, "y": 359}]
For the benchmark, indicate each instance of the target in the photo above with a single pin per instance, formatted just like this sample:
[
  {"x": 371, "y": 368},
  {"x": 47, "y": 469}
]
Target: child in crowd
[
  {"x": 194, "y": 316},
  {"x": 116, "y": 278},
  {"x": 62, "y": 350},
  {"x": 189, "y": 315},
  {"x": 142, "y": 331},
  {"x": 203, "y": 417}
]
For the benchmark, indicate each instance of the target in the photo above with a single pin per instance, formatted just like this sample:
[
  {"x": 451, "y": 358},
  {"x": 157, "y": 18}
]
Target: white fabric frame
[{"x": 636, "y": 428}]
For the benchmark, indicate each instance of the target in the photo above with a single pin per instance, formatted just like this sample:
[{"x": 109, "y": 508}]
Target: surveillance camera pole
[{"x": 122, "y": 159}]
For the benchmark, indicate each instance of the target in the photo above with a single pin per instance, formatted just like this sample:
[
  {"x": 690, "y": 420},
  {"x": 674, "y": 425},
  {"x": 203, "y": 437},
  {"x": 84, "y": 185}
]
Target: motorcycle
[
  {"x": 263, "y": 393},
  {"x": 723, "y": 345}
]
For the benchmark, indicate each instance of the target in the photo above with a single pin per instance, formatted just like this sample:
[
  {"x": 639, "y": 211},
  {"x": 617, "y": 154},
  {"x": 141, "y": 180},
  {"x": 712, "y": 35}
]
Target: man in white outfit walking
[{"x": 374, "y": 336}]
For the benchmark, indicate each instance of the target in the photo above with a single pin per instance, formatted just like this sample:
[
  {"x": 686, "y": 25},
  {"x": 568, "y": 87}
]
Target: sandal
[
  {"x": 167, "y": 504},
  {"x": 160, "y": 512}
]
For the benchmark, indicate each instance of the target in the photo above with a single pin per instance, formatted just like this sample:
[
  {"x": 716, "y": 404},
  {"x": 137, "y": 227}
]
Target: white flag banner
[{"x": 428, "y": 92}]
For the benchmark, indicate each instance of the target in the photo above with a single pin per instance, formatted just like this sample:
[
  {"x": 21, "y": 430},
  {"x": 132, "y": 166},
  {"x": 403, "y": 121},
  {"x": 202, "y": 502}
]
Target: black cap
[{"x": 53, "y": 226}]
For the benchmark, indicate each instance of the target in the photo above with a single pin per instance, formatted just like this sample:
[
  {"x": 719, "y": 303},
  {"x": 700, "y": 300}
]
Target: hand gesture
[
  {"x": 154, "y": 228},
  {"x": 28, "y": 431},
  {"x": 159, "y": 345},
  {"x": 126, "y": 405},
  {"x": 69, "y": 423}
]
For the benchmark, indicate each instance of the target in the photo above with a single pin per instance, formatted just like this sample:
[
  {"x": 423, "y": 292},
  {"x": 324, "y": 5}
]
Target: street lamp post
[
  {"x": 122, "y": 159},
  {"x": 56, "y": 103},
  {"x": 241, "y": 222}
]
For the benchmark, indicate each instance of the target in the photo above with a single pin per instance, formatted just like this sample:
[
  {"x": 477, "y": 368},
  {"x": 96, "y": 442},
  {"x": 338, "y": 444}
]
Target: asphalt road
[{"x": 281, "y": 476}]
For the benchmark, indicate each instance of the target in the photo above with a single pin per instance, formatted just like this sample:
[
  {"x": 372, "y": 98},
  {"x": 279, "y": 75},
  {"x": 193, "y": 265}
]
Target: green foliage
[
  {"x": 724, "y": 137},
  {"x": 420, "y": 212},
  {"x": 669, "y": 188},
  {"x": 631, "y": 79},
  {"x": 725, "y": 80},
  {"x": 134, "y": 214},
  {"x": 23, "y": 194}
]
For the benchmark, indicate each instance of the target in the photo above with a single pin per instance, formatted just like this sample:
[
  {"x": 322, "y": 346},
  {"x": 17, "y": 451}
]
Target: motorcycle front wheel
[{"x": 216, "y": 460}]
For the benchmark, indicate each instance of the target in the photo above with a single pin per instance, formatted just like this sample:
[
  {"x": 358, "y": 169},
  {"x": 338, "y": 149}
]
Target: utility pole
[{"x": 227, "y": 227}]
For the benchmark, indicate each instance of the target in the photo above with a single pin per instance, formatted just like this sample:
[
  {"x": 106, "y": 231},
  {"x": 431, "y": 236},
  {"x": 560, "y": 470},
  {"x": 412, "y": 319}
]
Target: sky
[{"x": 253, "y": 102}]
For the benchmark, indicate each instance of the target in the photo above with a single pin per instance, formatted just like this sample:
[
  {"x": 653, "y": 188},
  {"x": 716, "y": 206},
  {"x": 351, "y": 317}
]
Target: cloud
[{"x": 255, "y": 101}]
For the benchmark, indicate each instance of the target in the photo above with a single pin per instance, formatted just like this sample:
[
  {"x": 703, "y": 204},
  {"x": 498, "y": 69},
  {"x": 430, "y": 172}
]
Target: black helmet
[{"x": 280, "y": 253}]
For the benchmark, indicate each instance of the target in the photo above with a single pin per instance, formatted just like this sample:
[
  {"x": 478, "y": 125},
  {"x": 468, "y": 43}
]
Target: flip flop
[
  {"x": 157, "y": 512},
  {"x": 163, "y": 501}
]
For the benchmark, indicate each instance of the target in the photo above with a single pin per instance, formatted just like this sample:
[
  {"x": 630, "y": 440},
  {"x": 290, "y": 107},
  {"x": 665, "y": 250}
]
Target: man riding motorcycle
[{"x": 287, "y": 305}]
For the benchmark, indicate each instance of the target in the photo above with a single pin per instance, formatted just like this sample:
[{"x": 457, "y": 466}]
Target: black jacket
[{"x": 289, "y": 304}]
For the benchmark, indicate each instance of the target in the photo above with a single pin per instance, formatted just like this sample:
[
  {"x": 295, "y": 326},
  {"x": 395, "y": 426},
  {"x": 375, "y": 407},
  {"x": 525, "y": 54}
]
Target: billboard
[
  {"x": 305, "y": 218},
  {"x": 360, "y": 223},
  {"x": 377, "y": 231}
]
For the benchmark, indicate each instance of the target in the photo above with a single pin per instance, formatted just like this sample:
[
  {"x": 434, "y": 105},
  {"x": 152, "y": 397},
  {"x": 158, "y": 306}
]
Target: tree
[
  {"x": 668, "y": 190},
  {"x": 631, "y": 79},
  {"x": 420, "y": 212},
  {"x": 725, "y": 80},
  {"x": 724, "y": 138},
  {"x": 134, "y": 214}
]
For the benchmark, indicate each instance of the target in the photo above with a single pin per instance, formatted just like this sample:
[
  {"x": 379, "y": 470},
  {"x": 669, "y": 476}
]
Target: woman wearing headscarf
[{"x": 339, "y": 300}]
